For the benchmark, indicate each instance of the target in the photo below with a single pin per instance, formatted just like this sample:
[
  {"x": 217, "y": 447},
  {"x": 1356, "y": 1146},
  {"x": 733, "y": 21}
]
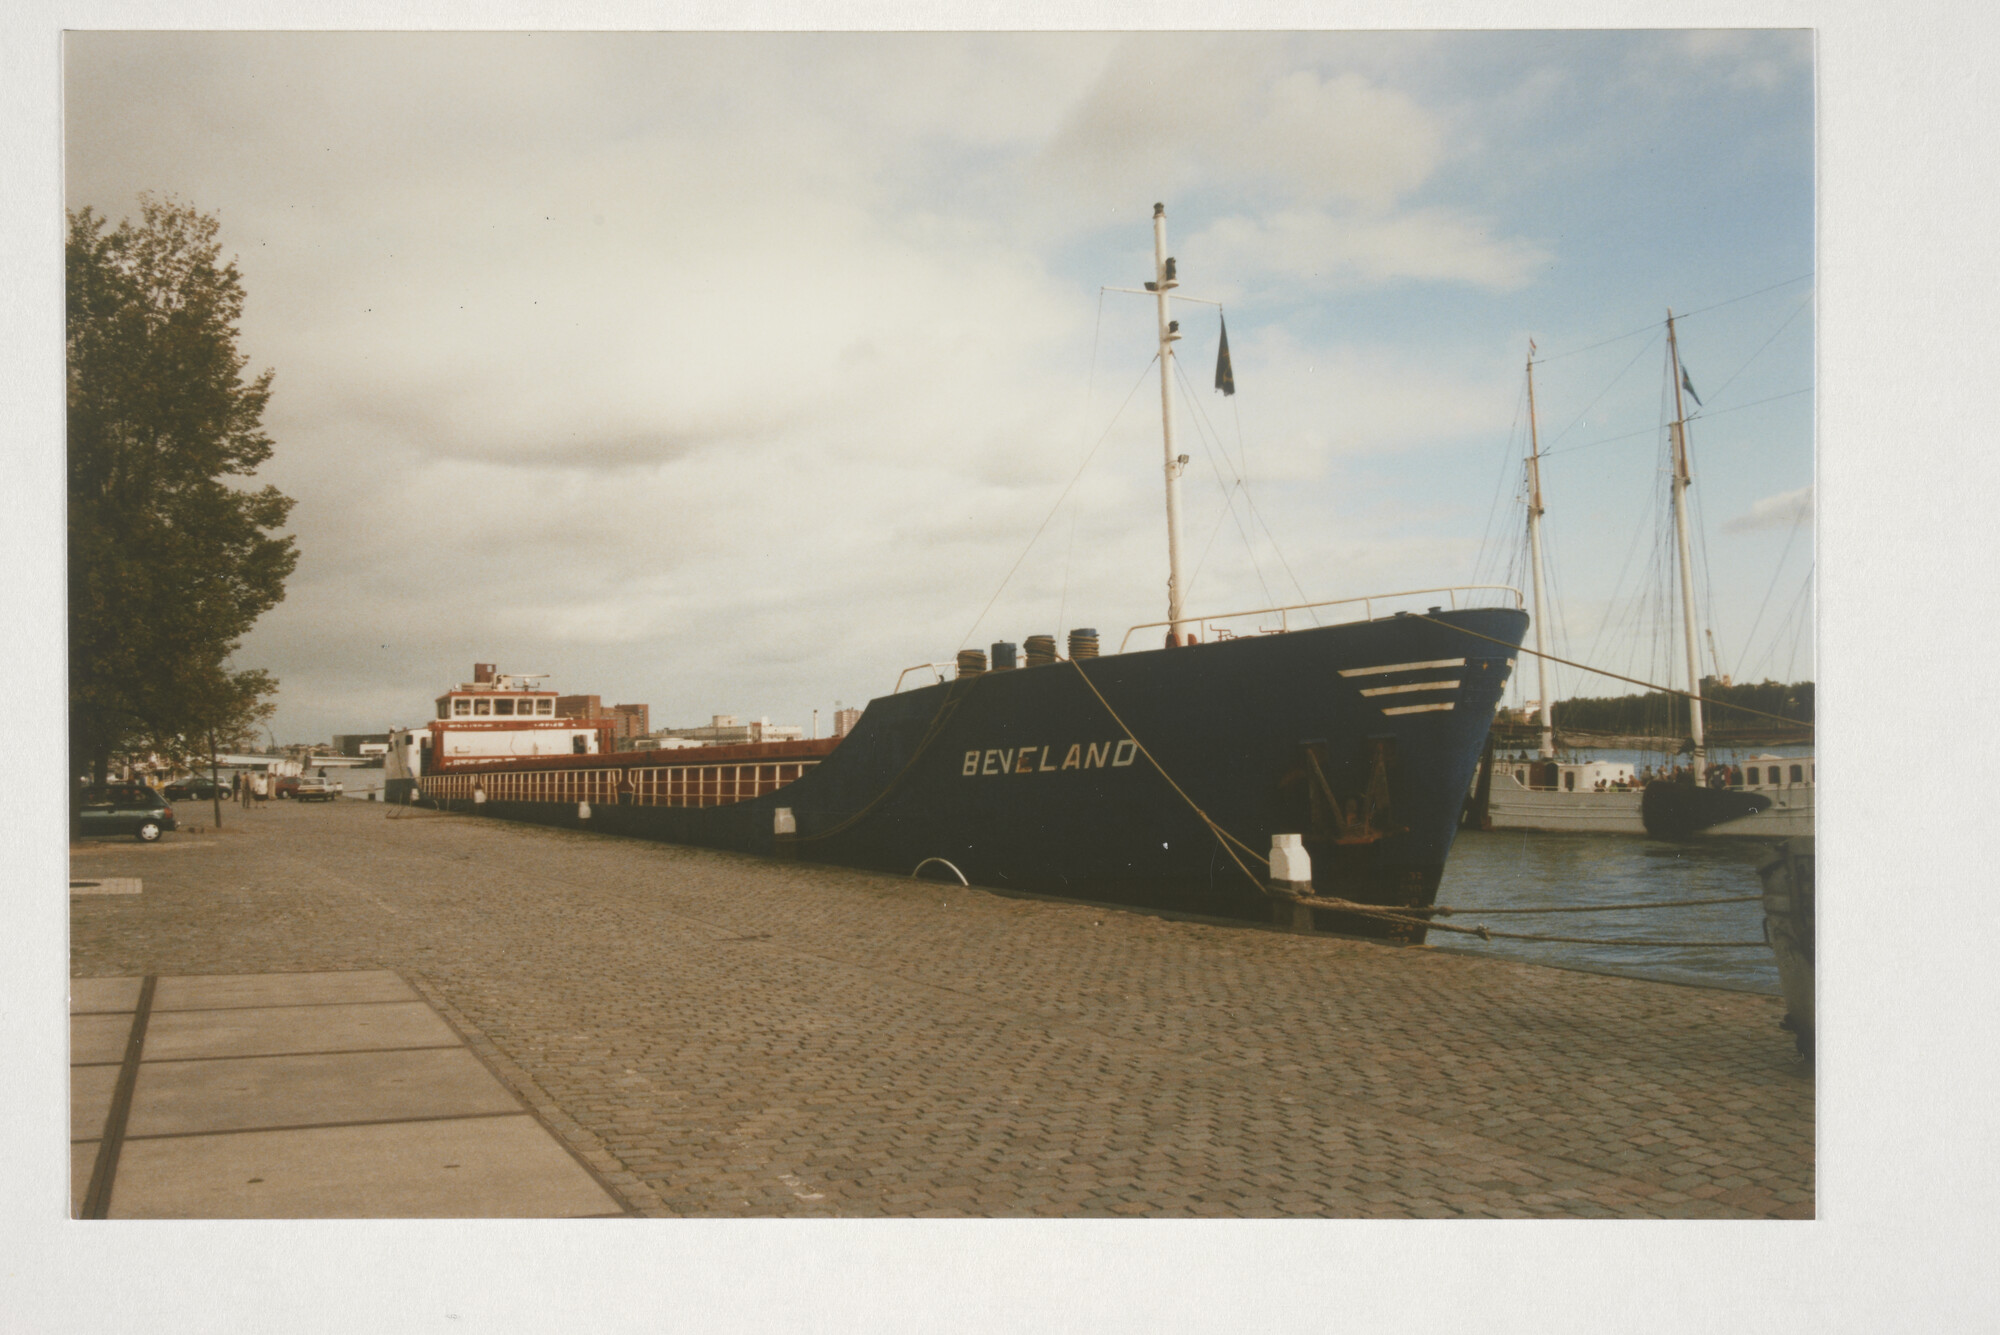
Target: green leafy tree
[{"x": 172, "y": 557}]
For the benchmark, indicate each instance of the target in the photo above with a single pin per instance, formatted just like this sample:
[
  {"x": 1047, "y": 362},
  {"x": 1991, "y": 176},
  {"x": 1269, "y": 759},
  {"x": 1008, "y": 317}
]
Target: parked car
[
  {"x": 285, "y": 785},
  {"x": 127, "y": 808},
  {"x": 316, "y": 788},
  {"x": 197, "y": 789}
]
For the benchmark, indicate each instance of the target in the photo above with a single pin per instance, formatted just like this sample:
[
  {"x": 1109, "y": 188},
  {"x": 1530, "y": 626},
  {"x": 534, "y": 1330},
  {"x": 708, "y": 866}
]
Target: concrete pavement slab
[
  {"x": 279, "y": 989},
  {"x": 495, "y": 1167},
  {"x": 107, "y": 885},
  {"x": 98, "y": 1038},
  {"x": 315, "y": 1089},
  {"x": 92, "y": 995},
  {"x": 259, "y": 1031},
  {"x": 90, "y": 1100}
]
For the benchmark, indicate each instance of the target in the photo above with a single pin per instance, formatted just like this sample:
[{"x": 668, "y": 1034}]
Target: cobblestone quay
[{"x": 723, "y": 1035}]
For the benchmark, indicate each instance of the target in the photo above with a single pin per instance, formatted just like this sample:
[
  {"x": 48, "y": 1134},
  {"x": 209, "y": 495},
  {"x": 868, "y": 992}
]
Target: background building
[
  {"x": 724, "y": 730},
  {"x": 628, "y": 722},
  {"x": 844, "y": 721}
]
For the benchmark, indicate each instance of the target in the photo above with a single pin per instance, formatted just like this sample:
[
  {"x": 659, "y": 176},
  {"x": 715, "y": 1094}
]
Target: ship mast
[
  {"x": 1548, "y": 748},
  {"x": 1678, "y": 433},
  {"x": 1163, "y": 282}
]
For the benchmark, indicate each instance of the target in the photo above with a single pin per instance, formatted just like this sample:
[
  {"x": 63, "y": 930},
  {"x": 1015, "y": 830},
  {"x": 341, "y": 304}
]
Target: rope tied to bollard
[{"x": 1485, "y": 933}]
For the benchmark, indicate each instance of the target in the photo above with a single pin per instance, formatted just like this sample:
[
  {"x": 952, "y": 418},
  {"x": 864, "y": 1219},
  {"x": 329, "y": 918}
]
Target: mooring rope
[
  {"x": 1222, "y": 836},
  {"x": 1407, "y": 915},
  {"x": 1596, "y": 908},
  {"x": 1602, "y": 672}
]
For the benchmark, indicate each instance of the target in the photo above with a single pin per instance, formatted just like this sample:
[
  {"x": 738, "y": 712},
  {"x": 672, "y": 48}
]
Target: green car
[{"x": 127, "y": 808}]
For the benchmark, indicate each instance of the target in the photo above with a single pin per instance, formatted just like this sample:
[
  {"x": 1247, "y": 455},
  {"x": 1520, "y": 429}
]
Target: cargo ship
[{"x": 1157, "y": 776}]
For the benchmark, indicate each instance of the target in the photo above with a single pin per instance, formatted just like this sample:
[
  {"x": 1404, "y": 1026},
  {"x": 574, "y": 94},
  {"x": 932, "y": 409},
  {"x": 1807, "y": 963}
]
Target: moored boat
[
  {"x": 1157, "y": 777},
  {"x": 1702, "y": 799}
]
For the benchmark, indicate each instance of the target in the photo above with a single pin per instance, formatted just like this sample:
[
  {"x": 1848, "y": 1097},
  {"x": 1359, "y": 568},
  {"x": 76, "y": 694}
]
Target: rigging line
[
  {"x": 1625, "y": 567},
  {"x": 1765, "y": 344},
  {"x": 1692, "y": 417},
  {"x": 1089, "y": 394},
  {"x": 1769, "y": 589},
  {"x": 1143, "y": 376},
  {"x": 1279, "y": 552},
  {"x": 1251, "y": 502},
  {"x": 1620, "y": 338},
  {"x": 1703, "y": 310},
  {"x": 1500, "y": 483},
  {"x": 1609, "y": 386},
  {"x": 1213, "y": 531},
  {"x": 1585, "y": 667},
  {"x": 1799, "y": 604},
  {"x": 1204, "y": 432}
]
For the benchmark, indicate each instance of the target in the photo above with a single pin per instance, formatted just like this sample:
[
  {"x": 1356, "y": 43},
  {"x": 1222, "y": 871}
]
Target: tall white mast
[
  {"x": 1535, "y": 559},
  {"x": 1678, "y": 432},
  {"x": 1163, "y": 282}
]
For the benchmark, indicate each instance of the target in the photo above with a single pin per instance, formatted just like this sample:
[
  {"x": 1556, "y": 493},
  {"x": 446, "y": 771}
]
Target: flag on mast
[
  {"x": 1688, "y": 385},
  {"x": 1225, "y": 374}
]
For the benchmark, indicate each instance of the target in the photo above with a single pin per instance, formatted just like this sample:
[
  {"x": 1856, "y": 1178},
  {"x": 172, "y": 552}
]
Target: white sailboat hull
[{"x": 1514, "y": 807}]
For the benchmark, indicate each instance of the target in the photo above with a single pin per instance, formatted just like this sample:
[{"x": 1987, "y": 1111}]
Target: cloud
[
  {"x": 1780, "y": 511},
  {"x": 1321, "y": 249},
  {"x": 1241, "y": 115}
]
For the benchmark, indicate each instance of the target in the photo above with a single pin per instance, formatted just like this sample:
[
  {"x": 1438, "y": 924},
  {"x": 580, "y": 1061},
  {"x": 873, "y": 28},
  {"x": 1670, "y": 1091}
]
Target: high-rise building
[
  {"x": 631, "y": 723},
  {"x": 628, "y": 722},
  {"x": 844, "y": 721}
]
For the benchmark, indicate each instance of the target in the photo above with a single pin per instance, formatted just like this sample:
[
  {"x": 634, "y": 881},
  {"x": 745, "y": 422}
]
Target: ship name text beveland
[{"x": 1042, "y": 759}]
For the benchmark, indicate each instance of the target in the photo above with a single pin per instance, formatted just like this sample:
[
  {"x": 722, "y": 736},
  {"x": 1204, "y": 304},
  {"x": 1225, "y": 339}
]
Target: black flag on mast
[
  {"x": 1688, "y": 385},
  {"x": 1225, "y": 374}
]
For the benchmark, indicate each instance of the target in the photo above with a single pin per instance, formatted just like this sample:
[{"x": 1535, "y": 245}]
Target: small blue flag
[{"x": 1688, "y": 385}]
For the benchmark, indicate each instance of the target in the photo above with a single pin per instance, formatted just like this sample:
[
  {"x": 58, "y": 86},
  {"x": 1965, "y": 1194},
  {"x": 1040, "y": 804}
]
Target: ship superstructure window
[
  {"x": 461, "y": 708},
  {"x": 444, "y": 709},
  {"x": 503, "y": 705},
  {"x": 1752, "y": 779},
  {"x": 545, "y": 707},
  {"x": 1798, "y": 774},
  {"x": 480, "y": 707}
]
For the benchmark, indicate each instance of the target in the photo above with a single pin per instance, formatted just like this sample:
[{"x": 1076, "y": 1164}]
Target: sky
[{"x": 736, "y": 373}]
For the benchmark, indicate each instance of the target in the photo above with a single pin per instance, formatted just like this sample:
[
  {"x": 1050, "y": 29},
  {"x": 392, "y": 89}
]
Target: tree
[{"x": 170, "y": 559}]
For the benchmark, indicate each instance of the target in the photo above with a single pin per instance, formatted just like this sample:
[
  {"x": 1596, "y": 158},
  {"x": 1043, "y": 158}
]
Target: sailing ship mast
[
  {"x": 1163, "y": 282},
  {"x": 1678, "y": 434},
  {"x": 1548, "y": 747}
]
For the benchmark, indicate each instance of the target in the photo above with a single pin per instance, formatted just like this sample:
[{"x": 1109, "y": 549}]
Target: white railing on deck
[
  {"x": 937, "y": 668},
  {"x": 1367, "y": 605}
]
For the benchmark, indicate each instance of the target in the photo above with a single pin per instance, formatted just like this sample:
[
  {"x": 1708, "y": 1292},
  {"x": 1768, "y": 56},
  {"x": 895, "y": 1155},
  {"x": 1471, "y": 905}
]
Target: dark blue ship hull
[{"x": 1361, "y": 737}]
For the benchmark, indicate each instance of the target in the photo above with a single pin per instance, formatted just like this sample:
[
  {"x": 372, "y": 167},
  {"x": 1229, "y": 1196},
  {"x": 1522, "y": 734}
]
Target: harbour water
[
  {"x": 1500, "y": 869},
  {"x": 1503, "y": 869}
]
